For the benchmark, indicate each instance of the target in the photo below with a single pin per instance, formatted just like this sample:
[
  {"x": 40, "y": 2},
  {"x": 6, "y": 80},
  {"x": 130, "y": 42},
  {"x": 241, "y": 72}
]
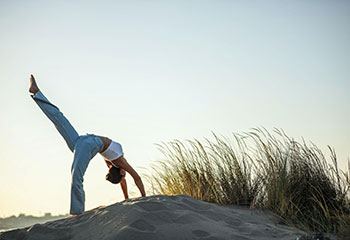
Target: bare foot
[{"x": 33, "y": 87}]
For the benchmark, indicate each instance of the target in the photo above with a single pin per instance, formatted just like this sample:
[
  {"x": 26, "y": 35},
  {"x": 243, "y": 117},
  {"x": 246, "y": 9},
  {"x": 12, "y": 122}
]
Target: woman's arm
[
  {"x": 124, "y": 188},
  {"x": 122, "y": 182},
  {"x": 122, "y": 163}
]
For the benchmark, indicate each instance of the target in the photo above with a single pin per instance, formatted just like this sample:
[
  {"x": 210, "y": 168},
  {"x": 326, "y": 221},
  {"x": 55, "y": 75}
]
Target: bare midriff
[{"x": 106, "y": 142}]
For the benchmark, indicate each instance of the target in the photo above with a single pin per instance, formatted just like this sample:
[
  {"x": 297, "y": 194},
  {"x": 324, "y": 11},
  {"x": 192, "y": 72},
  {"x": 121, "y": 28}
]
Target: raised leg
[{"x": 61, "y": 123}]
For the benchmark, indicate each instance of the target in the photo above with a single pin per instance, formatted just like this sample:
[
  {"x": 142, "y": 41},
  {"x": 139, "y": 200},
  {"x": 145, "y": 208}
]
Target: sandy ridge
[{"x": 160, "y": 217}]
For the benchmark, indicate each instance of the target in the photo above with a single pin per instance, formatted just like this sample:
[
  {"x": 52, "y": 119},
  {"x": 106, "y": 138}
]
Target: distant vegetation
[
  {"x": 26, "y": 220},
  {"x": 259, "y": 169}
]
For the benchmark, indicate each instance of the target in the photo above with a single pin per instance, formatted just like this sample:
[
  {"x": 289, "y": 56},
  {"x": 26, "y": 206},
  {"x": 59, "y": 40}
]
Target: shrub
[{"x": 258, "y": 169}]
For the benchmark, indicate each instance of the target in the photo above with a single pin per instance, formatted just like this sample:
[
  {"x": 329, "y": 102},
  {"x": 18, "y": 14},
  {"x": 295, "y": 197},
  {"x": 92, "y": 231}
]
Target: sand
[{"x": 160, "y": 217}]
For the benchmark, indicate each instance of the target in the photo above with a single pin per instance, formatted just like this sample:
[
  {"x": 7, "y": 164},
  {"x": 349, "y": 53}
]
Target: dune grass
[{"x": 259, "y": 169}]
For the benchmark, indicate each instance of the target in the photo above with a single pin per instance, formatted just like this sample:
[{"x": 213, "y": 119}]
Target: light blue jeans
[{"x": 84, "y": 148}]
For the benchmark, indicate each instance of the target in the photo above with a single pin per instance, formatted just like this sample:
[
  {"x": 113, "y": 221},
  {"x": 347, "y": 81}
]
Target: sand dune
[{"x": 159, "y": 217}]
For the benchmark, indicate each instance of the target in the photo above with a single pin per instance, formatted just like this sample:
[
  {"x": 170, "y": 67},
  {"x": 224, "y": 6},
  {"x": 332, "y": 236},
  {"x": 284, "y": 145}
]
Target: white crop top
[{"x": 113, "y": 151}]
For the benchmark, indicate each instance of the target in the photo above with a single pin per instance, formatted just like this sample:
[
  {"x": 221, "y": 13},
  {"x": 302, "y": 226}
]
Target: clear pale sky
[{"x": 143, "y": 72}]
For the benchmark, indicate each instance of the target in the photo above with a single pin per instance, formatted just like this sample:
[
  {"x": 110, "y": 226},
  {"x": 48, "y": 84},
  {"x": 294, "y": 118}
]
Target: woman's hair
[{"x": 114, "y": 175}]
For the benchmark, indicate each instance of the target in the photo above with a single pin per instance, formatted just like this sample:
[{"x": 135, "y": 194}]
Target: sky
[{"x": 146, "y": 72}]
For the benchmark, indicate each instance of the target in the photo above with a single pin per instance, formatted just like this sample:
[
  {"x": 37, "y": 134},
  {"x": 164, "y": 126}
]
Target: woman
[{"x": 85, "y": 147}]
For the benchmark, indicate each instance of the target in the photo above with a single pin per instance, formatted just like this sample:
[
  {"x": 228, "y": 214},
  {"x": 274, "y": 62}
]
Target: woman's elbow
[{"x": 137, "y": 178}]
